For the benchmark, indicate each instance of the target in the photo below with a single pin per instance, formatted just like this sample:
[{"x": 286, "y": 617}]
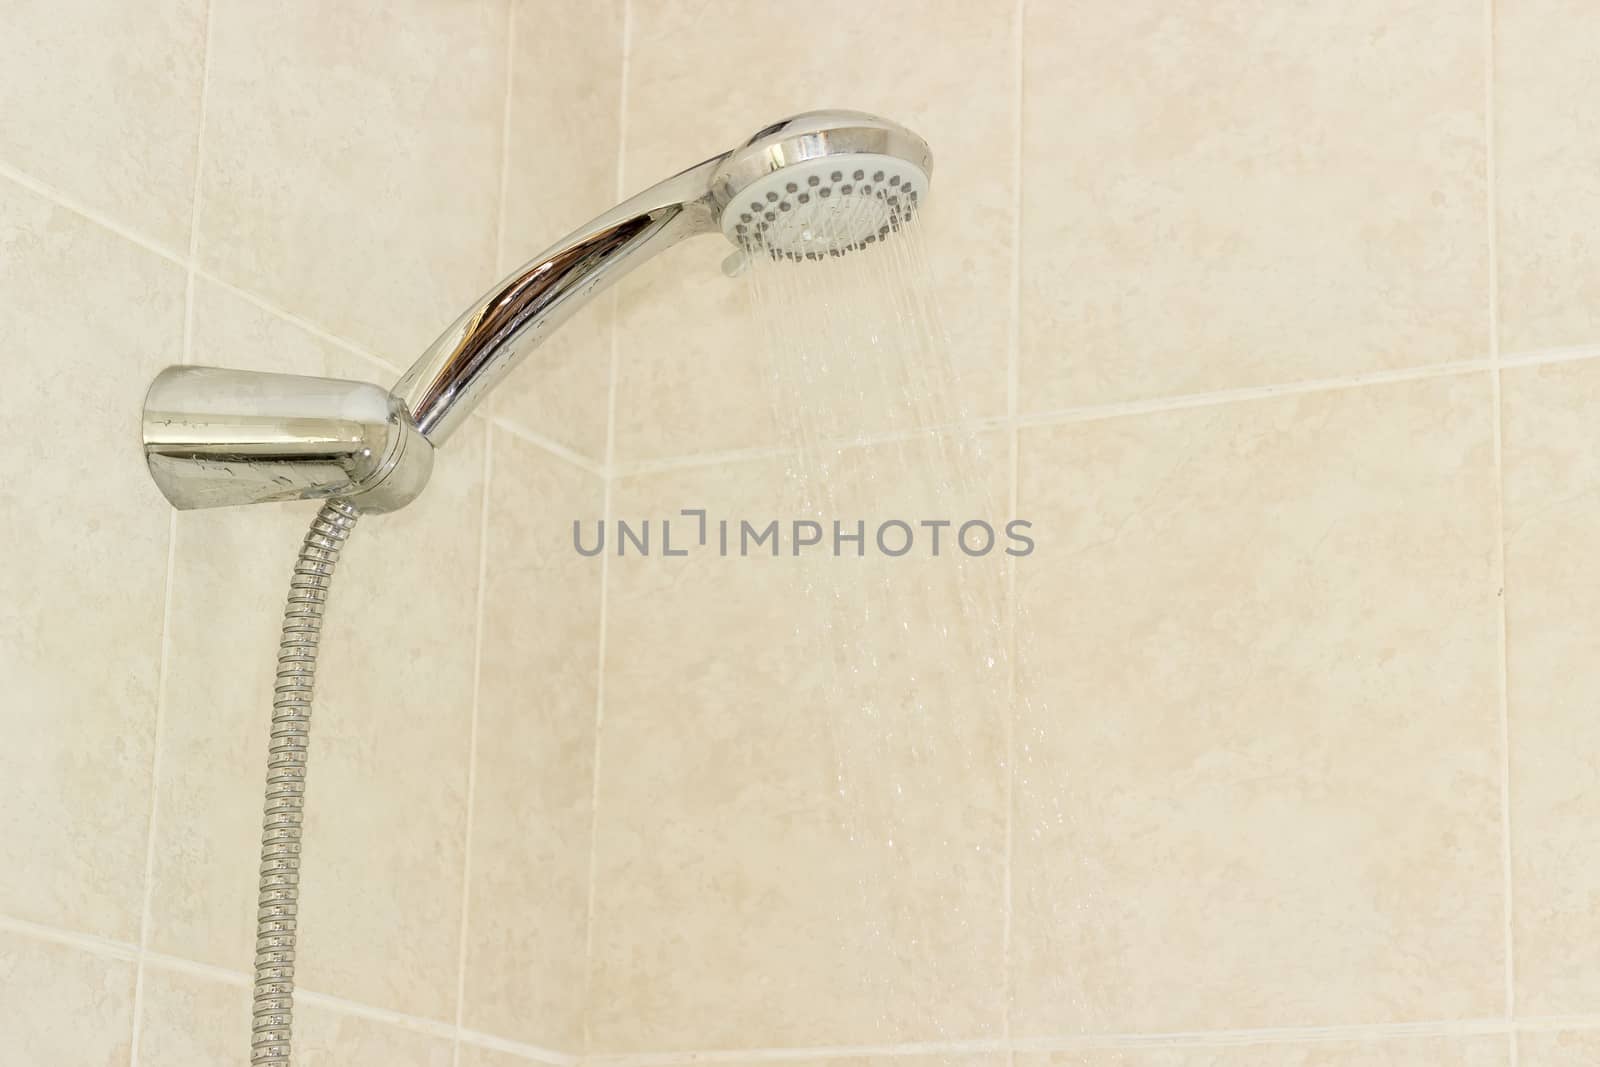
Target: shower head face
[{"x": 821, "y": 184}]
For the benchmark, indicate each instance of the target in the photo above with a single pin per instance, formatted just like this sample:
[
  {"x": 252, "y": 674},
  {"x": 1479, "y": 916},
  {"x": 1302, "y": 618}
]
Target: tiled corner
[
  {"x": 86, "y": 534},
  {"x": 103, "y": 104},
  {"x": 527, "y": 912},
  {"x": 1547, "y": 173},
  {"x": 1552, "y": 515},
  {"x": 1572, "y": 1048},
  {"x": 386, "y": 803},
  {"x": 566, "y": 81},
  {"x": 191, "y": 1019},
  {"x": 1475, "y": 1051},
  {"x": 781, "y": 782},
  {"x": 1259, "y": 770},
  {"x": 690, "y": 378},
  {"x": 352, "y": 161},
  {"x": 63, "y": 1004},
  {"x": 1249, "y": 193}
]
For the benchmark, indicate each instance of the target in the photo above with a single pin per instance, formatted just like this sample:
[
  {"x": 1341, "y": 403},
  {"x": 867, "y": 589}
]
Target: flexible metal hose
[{"x": 278, "y": 902}]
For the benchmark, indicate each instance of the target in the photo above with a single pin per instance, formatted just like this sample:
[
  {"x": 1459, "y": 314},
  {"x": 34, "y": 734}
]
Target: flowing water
[{"x": 914, "y": 682}]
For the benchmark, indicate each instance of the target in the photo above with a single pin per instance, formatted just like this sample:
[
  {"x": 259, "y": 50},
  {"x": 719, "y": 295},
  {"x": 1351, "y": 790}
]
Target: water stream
[{"x": 911, "y": 631}]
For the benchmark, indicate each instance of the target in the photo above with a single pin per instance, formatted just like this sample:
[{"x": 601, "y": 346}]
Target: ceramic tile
[
  {"x": 103, "y": 104},
  {"x": 801, "y": 815},
  {"x": 1552, "y": 514},
  {"x": 1547, "y": 173},
  {"x": 1575, "y": 1048},
  {"x": 190, "y": 1020},
  {"x": 62, "y": 1004},
  {"x": 1259, "y": 778},
  {"x": 352, "y": 161},
  {"x": 1249, "y": 193},
  {"x": 563, "y": 172},
  {"x": 528, "y": 909},
  {"x": 86, "y": 531}
]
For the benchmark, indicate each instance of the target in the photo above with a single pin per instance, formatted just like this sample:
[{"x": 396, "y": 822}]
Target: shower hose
[{"x": 279, "y": 890}]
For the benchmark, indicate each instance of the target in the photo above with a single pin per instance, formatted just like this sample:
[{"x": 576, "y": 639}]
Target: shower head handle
[{"x": 515, "y": 316}]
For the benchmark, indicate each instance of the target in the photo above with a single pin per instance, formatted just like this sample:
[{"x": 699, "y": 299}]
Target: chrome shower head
[
  {"x": 822, "y": 183},
  {"x": 816, "y": 185}
]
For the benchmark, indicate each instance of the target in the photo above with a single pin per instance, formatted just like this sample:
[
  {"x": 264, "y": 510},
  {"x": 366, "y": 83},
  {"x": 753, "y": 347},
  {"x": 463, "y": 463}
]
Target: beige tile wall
[
  {"x": 1298, "y": 769},
  {"x": 316, "y": 189},
  {"x": 1283, "y": 315}
]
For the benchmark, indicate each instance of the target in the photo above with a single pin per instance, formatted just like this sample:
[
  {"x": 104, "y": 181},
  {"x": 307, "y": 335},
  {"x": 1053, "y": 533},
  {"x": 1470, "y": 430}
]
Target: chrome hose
[{"x": 278, "y": 902}]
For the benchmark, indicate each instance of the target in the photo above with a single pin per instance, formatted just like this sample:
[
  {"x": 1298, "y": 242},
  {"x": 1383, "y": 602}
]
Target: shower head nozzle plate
[
  {"x": 825, "y": 206},
  {"x": 821, "y": 184}
]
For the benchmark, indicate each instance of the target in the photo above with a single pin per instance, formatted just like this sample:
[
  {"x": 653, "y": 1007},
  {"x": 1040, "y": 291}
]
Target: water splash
[{"x": 916, "y": 681}]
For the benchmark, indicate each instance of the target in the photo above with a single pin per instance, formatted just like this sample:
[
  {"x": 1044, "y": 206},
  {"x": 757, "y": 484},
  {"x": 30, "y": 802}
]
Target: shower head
[
  {"x": 820, "y": 184},
  {"x": 813, "y": 186},
  {"x": 825, "y": 183}
]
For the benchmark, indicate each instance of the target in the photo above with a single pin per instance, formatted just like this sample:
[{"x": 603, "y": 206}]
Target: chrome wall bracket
[{"x": 215, "y": 437}]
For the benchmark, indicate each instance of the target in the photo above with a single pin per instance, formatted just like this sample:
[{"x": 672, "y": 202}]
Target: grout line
[
  {"x": 1092, "y": 413},
  {"x": 699, "y": 459},
  {"x": 1271, "y": 1036},
  {"x": 1078, "y": 1042},
  {"x": 483, "y": 556},
  {"x": 162, "y": 675},
  {"x": 472, "y": 738},
  {"x": 164, "y": 662},
  {"x": 389, "y": 1017},
  {"x": 300, "y": 321},
  {"x": 555, "y": 448},
  {"x": 1507, "y": 887},
  {"x": 342, "y": 1006},
  {"x": 769, "y": 1055},
  {"x": 1013, "y": 364},
  {"x": 105, "y": 947},
  {"x": 1260, "y": 392},
  {"x": 599, "y": 720},
  {"x": 210, "y": 971},
  {"x": 752, "y": 455},
  {"x": 128, "y": 952},
  {"x": 61, "y": 199},
  {"x": 1542, "y": 356},
  {"x": 608, "y": 478},
  {"x": 532, "y": 1053},
  {"x": 1556, "y": 1023}
]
